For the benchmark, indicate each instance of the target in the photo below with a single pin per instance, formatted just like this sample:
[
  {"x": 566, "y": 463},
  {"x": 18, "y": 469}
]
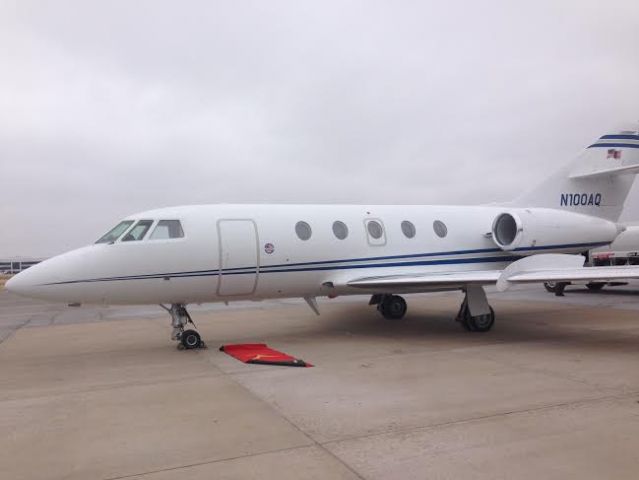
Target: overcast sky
[{"x": 108, "y": 108}]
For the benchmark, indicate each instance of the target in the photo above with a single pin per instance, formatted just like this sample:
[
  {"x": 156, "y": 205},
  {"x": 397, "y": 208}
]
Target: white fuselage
[{"x": 231, "y": 252}]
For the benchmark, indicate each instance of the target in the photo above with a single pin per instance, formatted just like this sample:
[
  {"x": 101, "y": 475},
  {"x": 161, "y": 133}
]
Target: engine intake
[
  {"x": 506, "y": 227},
  {"x": 525, "y": 228}
]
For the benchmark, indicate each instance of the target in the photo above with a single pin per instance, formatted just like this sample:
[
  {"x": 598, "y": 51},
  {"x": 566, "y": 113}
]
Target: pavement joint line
[
  {"x": 89, "y": 353},
  {"x": 298, "y": 428},
  {"x": 208, "y": 462},
  {"x": 14, "y": 330},
  {"x": 442, "y": 350},
  {"x": 363, "y": 358},
  {"x": 524, "y": 368},
  {"x": 481, "y": 418},
  {"x": 115, "y": 386}
]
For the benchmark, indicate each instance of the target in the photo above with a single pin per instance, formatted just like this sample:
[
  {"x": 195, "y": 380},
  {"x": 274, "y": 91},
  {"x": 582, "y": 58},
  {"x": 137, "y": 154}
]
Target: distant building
[{"x": 16, "y": 266}]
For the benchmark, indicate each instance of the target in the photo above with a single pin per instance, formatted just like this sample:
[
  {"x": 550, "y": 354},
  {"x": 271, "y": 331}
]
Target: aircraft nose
[
  {"x": 18, "y": 284},
  {"x": 32, "y": 281},
  {"x": 43, "y": 280}
]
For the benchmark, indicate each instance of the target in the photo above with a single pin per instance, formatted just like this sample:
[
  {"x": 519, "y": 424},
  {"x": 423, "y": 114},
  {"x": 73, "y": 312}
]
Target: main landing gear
[
  {"x": 475, "y": 314},
  {"x": 180, "y": 318},
  {"x": 392, "y": 307}
]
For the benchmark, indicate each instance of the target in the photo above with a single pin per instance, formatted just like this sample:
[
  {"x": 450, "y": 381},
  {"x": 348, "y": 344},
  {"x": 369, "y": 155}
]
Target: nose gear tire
[{"x": 190, "y": 339}]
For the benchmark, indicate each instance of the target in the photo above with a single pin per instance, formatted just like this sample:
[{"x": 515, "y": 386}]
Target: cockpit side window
[
  {"x": 138, "y": 231},
  {"x": 167, "y": 229},
  {"x": 113, "y": 234}
]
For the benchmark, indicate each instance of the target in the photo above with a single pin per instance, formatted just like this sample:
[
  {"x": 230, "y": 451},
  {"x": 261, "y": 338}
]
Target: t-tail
[{"x": 597, "y": 182}]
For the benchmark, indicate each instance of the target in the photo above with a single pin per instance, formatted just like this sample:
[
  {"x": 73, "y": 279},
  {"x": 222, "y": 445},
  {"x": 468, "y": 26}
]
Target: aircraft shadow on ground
[
  {"x": 421, "y": 324},
  {"x": 608, "y": 292}
]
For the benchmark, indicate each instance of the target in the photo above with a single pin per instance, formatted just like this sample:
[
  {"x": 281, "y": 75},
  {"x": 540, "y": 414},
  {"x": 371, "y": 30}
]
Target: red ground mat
[{"x": 262, "y": 354}]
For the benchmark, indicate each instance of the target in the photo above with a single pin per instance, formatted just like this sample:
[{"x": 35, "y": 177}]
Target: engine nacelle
[{"x": 523, "y": 228}]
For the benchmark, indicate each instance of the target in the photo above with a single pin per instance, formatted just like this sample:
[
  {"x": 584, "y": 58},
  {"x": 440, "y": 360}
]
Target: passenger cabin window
[
  {"x": 166, "y": 229},
  {"x": 340, "y": 230},
  {"x": 408, "y": 229},
  {"x": 138, "y": 231},
  {"x": 375, "y": 231},
  {"x": 303, "y": 230},
  {"x": 440, "y": 228},
  {"x": 113, "y": 234}
]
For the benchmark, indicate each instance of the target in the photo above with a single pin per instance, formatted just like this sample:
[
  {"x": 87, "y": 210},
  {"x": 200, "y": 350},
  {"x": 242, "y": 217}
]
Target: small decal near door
[{"x": 269, "y": 248}]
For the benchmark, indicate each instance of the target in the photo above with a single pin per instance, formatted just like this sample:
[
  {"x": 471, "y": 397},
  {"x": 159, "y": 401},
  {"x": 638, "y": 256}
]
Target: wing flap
[{"x": 427, "y": 280}]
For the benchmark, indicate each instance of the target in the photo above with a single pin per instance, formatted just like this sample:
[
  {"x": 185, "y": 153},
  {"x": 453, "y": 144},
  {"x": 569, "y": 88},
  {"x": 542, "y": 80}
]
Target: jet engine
[{"x": 524, "y": 228}]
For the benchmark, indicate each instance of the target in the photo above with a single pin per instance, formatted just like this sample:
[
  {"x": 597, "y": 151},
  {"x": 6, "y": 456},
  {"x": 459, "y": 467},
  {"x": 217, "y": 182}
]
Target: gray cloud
[{"x": 108, "y": 108}]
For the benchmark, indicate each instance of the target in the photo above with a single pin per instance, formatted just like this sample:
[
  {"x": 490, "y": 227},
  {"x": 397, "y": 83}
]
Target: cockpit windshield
[
  {"x": 138, "y": 232},
  {"x": 113, "y": 234}
]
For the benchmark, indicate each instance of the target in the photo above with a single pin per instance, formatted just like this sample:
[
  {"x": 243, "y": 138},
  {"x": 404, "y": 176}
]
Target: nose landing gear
[{"x": 180, "y": 318}]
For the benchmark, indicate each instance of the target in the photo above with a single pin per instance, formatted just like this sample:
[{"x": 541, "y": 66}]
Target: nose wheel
[{"x": 188, "y": 339}]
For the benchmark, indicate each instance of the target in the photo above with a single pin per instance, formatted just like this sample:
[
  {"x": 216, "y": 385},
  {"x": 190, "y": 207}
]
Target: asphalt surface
[{"x": 551, "y": 392}]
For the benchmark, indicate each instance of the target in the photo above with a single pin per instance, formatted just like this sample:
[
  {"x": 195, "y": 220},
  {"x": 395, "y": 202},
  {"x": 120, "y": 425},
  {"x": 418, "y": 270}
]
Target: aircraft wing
[
  {"x": 557, "y": 267},
  {"x": 532, "y": 269},
  {"x": 587, "y": 274}
]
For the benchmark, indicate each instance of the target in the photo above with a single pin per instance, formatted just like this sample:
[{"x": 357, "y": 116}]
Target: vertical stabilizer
[{"x": 597, "y": 182}]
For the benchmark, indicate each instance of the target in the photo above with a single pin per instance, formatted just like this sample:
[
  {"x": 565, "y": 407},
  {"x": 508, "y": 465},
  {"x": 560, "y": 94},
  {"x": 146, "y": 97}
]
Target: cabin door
[{"x": 239, "y": 264}]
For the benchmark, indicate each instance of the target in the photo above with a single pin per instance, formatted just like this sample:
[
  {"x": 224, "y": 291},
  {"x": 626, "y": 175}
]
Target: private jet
[{"x": 221, "y": 253}]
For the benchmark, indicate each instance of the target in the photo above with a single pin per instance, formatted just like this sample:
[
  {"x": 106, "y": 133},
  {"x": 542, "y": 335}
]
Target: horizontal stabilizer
[{"x": 594, "y": 172}]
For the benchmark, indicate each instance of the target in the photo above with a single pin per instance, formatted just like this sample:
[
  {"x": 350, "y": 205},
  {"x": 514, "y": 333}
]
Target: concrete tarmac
[{"x": 551, "y": 392}]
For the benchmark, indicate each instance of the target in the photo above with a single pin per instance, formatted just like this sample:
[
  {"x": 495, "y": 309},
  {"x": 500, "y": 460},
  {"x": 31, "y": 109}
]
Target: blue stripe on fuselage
[{"x": 338, "y": 264}]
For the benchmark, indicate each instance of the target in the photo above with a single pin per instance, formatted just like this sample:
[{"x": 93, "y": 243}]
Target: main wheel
[
  {"x": 595, "y": 286},
  {"x": 479, "y": 323},
  {"x": 550, "y": 287},
  {"x": 190, "y": 339},
  {"x": 467, "y": 324},
  {"x": 393, "y": 307},
  {"x": 483, "y": 323}
]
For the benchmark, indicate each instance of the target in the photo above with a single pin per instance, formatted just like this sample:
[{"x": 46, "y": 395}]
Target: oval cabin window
[
  {"x": 375, "y": 229},
  {"x": 340, "y": 230},
  {"x": 303, "y": 230},
  {"x": 408, "y": 229},
  {"x": 440, "y": 228}
]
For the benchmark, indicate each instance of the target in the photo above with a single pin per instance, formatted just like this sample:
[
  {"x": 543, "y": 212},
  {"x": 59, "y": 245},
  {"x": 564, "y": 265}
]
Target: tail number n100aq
[{"x": 577, "y": 199}]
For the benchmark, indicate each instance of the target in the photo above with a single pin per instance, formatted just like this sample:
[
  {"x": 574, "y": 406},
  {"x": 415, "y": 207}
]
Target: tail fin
[{"x": 597, "y": 182}]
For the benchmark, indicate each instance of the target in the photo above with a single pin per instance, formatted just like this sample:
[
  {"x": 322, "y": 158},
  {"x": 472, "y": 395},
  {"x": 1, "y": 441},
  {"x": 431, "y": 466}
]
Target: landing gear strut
[
  {"x": 180, "y": 318},
  {"x": 475, "y": 314},
  {"x": 392, "y": 307}
]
